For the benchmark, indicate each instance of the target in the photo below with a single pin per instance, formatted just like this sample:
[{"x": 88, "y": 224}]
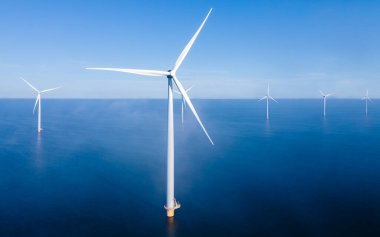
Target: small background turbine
[
  {"x": 183, "y": 103},
  {"x": 267, "y": 97},
  {"x": 38, "y": 100},
  {"x": 324, "y": 101},
  {"x": 366, "y": 98}
]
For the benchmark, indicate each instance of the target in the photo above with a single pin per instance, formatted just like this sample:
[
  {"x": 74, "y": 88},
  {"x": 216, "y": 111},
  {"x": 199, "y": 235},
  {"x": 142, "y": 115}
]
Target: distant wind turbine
[
  {"x": 324, "y": 101},
  {"x": 171, "y": 203},
  {"x": 183, "y": 101},
  {"x": 38, "y": 100},
  {"x": 366, "y": 98},
  {"x": 267, "y": 97}
]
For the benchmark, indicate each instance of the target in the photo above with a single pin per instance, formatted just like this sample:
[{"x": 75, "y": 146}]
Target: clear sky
[{"x": 298, "y": 47}]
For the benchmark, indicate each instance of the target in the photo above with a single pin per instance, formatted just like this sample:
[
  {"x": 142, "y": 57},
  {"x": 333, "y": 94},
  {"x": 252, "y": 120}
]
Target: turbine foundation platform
[{"x": 170, "y": 211}]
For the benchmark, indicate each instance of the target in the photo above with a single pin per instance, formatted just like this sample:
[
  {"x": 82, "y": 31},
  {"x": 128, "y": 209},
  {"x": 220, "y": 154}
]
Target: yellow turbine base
[{"x": 170, "y": 211}]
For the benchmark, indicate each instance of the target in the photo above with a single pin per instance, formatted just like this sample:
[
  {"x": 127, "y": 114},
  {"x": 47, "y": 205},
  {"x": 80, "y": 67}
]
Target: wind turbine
[
  {"x": 171, "y": 203},
  {"x": 324, "y": 101},
  {"x": 366, "y": 98},
  {"x": 183, "y": 106},
  {"x": 38, "y": 100},
  {"x": 267, "y": 97}
]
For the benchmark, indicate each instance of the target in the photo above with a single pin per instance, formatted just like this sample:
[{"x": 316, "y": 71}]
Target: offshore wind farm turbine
[
  {"x": 324, "y": 101},
  {"x": 38, "y": 100},
  {"x": 171, "y": 203},
  {"x": 267, "y": 97},
  {"x": 183, "y": 106},
  {"x": 366, "y": 98}
]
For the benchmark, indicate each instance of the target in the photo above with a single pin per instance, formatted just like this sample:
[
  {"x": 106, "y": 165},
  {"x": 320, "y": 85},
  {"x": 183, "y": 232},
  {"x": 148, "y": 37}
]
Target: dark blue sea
[{"x": 99, "y": 169}]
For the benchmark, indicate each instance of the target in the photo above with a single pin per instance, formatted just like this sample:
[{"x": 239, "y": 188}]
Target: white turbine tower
[
  {"x": 183, "y": 106},
  {"x": 38, "y": 100},
  {"x": 267, "y": 97},
  {"x": 324, "y": 101},
  {"x": 366, "y": 98},
  {"x": 171, "y": 203}
]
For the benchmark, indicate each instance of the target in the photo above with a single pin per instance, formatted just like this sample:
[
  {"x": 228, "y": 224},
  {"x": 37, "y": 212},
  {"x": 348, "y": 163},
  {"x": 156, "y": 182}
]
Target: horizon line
[{"x": 164, "y": 98}]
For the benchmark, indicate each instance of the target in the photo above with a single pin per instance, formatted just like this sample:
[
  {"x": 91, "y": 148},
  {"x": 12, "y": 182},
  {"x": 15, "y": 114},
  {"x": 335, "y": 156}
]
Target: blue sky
[{"x": 298, "y": 47}]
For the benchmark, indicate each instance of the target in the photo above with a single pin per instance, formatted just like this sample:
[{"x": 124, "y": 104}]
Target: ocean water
[{"x": 99, "y": 169}]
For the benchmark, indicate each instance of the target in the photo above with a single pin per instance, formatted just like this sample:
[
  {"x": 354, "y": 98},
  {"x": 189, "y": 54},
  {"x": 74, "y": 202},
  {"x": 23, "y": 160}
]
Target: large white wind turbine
[
  {"x": 324, "y": 101},
  {"x": 171, "y": 203},
  {"x": 38, "y": 100},
  {"x": 267, "y": 97},
  {"x": 183, "y": 106},
  {"x": 366, "y": 98}
]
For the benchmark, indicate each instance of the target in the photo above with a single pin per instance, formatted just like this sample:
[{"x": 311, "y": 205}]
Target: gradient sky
[{"x": 298, "y": 47}]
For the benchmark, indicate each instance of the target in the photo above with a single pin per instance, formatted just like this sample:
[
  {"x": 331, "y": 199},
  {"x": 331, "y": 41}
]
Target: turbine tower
[
  {"x": 324, "y": 101},
  {"x": 366, "y": 98},
  {"x": 38, "y": 100},
  {"x": 183, "y": 106},
  {"x": 267, "y": 97},
  {"x": 171, "y": 203}
]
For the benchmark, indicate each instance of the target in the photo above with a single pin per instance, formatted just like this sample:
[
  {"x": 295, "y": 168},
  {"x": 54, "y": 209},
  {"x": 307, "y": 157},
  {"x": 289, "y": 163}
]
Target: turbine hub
[{"x": 171, "y": 74}]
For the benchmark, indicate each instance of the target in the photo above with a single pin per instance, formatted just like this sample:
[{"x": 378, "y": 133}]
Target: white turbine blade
[
  {"x": 263, "y": 98},
  {"x": 188, "y": 46},
  {"x": 329, "y": 94},
  {"x": 51, "y": 89},
  {"x": 369, "y": 99},
  {"x": 35, "y": 104},
  {"x": 190, "y": 104},
  {"x": 273, "y": 99},
  {"x": 268, "y": 90},
  {"x": 322, "y": 94},
  {"x": 29, "y": 84},
  {"x": 189, "y": 89},
  {"x": 134, "y": 71}
]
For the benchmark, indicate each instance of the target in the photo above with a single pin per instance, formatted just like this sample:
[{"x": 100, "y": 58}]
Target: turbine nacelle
[{"x": 171, "y": 74}]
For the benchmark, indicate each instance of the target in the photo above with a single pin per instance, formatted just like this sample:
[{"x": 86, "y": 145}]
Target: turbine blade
[
  {"x": 322, "y": 94},
  {"x": 369, "y": 99},
  {"x": 329, "y": 94},
  {"x": 189, "y": 89},
  {"x": 135, "y": 71},
  {"x": 51, "y": 89},
  {"x": 35, "y": 104},
  {"x": 273, "y": 99},
  {"x": 29, "y": 84},
  {"x": 186, "y": 50},
  {"x": 263, "y": 98},
  {"x": 190, "y": 104},
  {"x": 177, "y": 92}
]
